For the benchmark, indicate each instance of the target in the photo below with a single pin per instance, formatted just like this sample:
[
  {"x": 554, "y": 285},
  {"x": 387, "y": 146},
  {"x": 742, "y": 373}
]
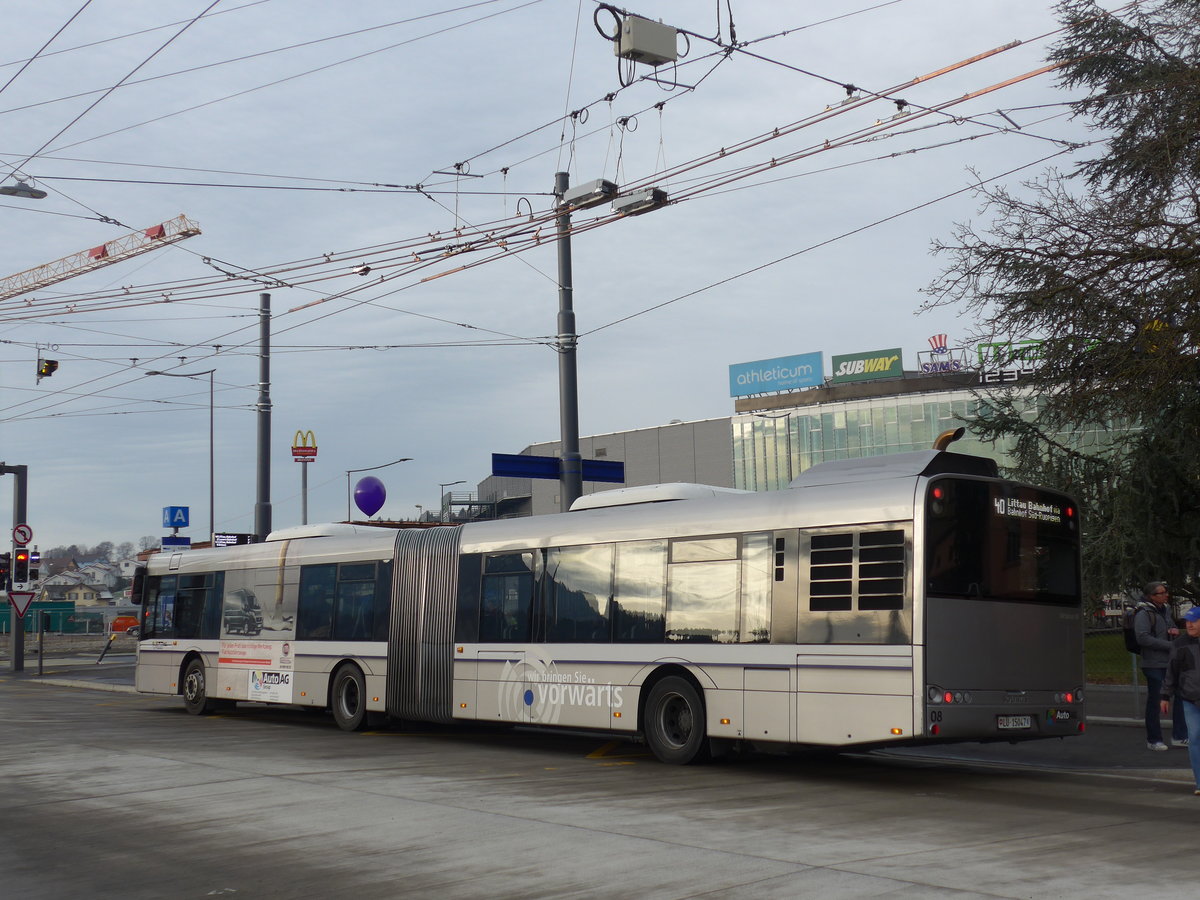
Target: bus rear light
[
  {"x": 1081, "y": 727},
  {"x": 616, "y": 715},
  {"x": 897, "y": 731},
  {"x": 935, "y": 729},
  {"x": 462, "y": 706},
  {"x": 724, "y": 721},
  {"x": 950, "y": 696}
]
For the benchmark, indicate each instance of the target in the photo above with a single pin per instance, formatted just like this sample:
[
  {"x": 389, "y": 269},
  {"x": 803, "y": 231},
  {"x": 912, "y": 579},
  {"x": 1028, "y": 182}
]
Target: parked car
[{"x": 123, "y": 624}]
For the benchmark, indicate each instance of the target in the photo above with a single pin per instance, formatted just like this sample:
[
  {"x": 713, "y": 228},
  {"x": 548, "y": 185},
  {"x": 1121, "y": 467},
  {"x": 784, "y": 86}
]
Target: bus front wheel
[
  {"x": 195, "y": 690},
  {"x": 349, "y": 699},
  {"x": 675, "y": 722}
]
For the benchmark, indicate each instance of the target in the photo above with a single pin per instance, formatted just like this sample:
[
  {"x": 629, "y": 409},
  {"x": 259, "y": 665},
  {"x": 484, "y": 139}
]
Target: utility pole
[
  {"x": 262, "y": 507},
  {"x": 16, "y": 645},
  {"x": 570, "y": 462}
]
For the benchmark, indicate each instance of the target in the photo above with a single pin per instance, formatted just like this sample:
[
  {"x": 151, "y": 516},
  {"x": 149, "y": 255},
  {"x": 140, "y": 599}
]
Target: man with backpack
[{"x": 1155, "y": 630}]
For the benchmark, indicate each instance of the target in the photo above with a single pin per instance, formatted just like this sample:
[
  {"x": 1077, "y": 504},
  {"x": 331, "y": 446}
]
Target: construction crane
[{"x": 170, "y": 232}]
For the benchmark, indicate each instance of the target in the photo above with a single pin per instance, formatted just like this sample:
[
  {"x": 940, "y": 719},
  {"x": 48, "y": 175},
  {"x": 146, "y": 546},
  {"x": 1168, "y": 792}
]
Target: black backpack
[{"x": 1127, "y": 616}]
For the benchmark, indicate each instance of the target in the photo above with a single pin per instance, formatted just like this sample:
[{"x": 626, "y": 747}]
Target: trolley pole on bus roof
[
  {"x": 570, "y": 462},
  {"x": 16, "y": 622}
]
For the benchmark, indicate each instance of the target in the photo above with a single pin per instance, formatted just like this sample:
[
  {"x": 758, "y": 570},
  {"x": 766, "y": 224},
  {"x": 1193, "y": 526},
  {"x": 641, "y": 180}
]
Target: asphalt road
[{"x": 107, "y": 793}]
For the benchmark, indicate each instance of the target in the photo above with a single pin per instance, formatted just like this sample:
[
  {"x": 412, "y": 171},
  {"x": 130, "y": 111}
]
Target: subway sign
[
  {"x": 784, "y": 373},
  {"x": 865, "y": 366}
]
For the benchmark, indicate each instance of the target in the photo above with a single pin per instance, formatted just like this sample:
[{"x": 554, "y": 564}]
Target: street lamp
[
  {"x": 212, "y": 528},
  {"x": 368, "y": 469},
  {"x": 441, "y": 497},
  {"x": 24, "y": 190}
]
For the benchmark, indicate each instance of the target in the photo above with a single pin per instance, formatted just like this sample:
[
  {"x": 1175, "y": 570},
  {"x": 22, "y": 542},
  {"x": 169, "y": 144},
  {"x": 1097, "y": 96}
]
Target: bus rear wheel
[
  {"x": 349, "y": 699},
  {"x": 195, "y": 690},
  {"x": 675, "y": 723}
]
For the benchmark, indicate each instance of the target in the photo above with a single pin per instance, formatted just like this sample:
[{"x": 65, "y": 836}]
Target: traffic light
[
  {"x": 21, "y": 566},
  {"x": 46, "y": 368},
  {"x": 5, "y": 567},
  {"x": 35, "y": 561}
]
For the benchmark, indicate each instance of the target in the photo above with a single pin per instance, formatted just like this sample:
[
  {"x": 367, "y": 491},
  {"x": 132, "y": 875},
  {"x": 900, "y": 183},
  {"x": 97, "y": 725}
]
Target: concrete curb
[{"x": 77, "y": 683}]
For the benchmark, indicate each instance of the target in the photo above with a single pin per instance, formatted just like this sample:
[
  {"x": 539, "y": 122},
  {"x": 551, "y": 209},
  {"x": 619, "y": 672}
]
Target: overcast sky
[{"x": 284, "y": 153}]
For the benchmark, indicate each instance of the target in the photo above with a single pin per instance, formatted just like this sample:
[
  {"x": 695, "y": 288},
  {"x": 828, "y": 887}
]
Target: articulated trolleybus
[{"x": 898, "y": 599}]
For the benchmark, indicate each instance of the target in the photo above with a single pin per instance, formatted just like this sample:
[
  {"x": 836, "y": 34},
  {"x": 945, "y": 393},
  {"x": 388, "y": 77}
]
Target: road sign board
[
  {"x": 232, "y": 539},
  {"x": 22, "y": 535},
  {"x": 176, "y": 540},
  {"x": 523, "y": 465},
  {"x": 175, "y": 516},
  {"x": 20, "y": 601}
]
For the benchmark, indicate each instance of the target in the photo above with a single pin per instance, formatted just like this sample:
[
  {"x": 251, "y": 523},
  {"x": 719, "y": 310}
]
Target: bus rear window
[{"x": 998, "y": 541}]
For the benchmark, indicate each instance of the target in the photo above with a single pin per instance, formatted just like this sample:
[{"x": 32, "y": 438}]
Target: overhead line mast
[{"x": 134, "y": 244}]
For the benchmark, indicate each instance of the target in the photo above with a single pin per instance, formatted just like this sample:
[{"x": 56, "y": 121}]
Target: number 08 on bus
[{"x": 902, "y": 599}]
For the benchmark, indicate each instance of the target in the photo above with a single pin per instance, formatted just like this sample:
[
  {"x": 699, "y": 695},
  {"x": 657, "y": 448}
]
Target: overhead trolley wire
[
  {"x": 130, "y": 74},
  {"x": 49, "y": 41},
  {"x": 248, "y": 56}
]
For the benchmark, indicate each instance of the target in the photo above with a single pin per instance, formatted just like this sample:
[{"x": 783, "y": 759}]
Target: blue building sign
[
  {"x": 784, "y": 373},
  {"x": 175, "y": 516},
  {"x": 523, "y": 465}
]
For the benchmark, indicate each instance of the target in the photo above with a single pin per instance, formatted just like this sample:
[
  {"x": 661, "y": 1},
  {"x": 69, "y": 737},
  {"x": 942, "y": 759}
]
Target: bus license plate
[{"x": 1014, "y": 721}]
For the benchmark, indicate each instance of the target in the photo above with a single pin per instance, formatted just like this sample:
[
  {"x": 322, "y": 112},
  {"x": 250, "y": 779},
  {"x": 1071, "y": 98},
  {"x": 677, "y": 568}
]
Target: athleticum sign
[{"x": 784, "y": 373}]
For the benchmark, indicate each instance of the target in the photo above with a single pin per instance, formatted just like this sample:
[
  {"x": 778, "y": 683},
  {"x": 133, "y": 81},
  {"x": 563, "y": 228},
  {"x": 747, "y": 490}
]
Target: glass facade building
[{"x": 772, "y": 448}]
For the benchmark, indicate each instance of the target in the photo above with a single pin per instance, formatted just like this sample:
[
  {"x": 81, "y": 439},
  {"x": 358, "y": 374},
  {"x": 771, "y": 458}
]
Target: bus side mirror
[{"x": 138, "y": 587}]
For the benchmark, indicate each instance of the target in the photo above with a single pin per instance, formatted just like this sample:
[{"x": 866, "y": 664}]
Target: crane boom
[{"x": 134, "y": 244}]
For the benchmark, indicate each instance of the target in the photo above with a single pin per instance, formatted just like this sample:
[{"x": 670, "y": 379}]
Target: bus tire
[
  {"x": 349, "y": 698},
  {"x": 674, "y": 722},
  {"x": 195, "y": 689}
]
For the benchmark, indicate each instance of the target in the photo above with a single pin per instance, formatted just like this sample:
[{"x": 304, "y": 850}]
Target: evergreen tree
[{"x": 1102, "y": 264}]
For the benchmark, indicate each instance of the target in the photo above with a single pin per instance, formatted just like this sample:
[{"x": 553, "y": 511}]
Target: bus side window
[
  {"x": 466, "y": 619},
  {"x": 508, "y": 582},
  {"x": 314, "y": 619},
  {"x": 578, "y": 588},
  {"x": 639, "y": 592},
  {"x": 383, "y": 602},
  {"x": 194, "y": 604},
  {"x": 354, "y": 611},
  {"x": 160, "y": 606}
]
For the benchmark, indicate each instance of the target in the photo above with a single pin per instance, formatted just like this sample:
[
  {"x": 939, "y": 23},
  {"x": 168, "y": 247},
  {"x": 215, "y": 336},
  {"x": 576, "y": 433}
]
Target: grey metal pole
[
  {"x": 570, "y": 463},
  {"x": 1137, "y": 707},
  {"x": 262, "y": 508},
  {"x": 212, "y": 515},
  {"x": 16, "y": 623},
  {"x": 303, "y": 492}
]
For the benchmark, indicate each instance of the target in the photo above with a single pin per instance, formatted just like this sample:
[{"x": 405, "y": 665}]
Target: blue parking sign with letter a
[{"x": 175, "y": 517}]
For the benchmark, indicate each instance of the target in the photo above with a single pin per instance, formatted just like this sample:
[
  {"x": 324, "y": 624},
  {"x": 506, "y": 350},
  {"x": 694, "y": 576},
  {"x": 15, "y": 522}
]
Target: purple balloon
[{"x": 369, "y": 495}]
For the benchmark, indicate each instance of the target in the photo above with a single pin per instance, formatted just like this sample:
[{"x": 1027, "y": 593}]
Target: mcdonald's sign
[{"x": 304, "y": 447}]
